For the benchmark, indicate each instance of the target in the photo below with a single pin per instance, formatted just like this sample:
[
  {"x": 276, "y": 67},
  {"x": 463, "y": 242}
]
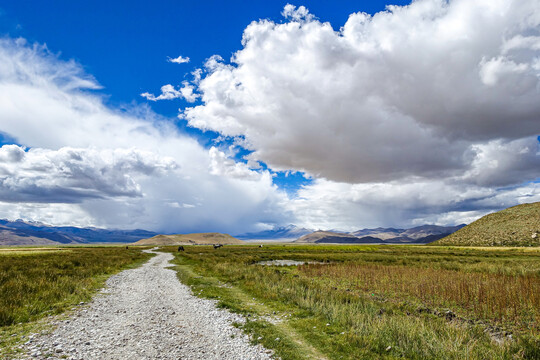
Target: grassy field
[
  {"x": 36, "y": 282},
  {"x": 377, "y": 302}
]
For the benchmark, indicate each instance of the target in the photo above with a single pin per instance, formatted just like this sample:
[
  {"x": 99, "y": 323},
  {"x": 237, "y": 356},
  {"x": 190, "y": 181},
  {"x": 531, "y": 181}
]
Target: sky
[{"x": 179, "y": 116}]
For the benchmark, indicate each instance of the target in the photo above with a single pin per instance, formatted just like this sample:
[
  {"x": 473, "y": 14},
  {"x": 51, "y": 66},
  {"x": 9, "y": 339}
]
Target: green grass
[
  {"x": 36, "y": 282},
  {"x": 382, "y": 302}
]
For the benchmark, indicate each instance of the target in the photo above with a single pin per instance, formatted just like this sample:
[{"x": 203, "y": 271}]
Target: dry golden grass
[{"x": 505, "y": 299}]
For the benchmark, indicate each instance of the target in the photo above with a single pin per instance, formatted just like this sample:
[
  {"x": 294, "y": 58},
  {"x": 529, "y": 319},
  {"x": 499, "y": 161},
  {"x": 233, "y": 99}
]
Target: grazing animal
[
  {"x": 127, "y": 248},
  {"x": 260, "y": 246},
  {"x": 180, "y": 248},
  {"x": 217, "y": 246}
]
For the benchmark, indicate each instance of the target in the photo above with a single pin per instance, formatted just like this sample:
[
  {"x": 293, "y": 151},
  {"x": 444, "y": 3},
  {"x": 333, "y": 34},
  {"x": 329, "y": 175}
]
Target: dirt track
[{"x": 146, "y": 313}]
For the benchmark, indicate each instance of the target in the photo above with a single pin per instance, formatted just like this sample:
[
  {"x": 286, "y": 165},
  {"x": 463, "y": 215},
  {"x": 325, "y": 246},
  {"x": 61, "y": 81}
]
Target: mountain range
[
  {"x": 290, "y": 232},
  {"x": 416, "y": 235},
  {"x": 21, "y": 232}
]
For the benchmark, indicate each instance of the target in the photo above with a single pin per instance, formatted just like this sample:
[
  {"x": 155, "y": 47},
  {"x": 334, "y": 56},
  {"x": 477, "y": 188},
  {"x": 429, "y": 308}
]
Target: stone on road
[{"x": 146, "y": 313}]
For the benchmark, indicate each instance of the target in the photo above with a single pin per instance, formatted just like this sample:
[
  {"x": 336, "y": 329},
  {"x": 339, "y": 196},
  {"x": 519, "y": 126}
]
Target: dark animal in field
[
  {"x": 180, "y": 248},
  {"x": 217, "y": 246},
  {"x": 260, "y": 246},
  {"x": 127, "y": 248}
]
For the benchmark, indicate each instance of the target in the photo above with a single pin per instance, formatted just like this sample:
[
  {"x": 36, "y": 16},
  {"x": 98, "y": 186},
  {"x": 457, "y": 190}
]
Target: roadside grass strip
[
  {"x": 261, "y": 321},
  {"x": 36, "y": 284}
]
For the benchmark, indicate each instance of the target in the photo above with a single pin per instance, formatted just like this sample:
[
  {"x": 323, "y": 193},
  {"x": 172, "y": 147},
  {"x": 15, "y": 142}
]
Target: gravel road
[{"x": 146, "y": 313}]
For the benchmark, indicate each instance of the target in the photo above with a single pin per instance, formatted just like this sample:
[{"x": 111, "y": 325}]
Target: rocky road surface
[{"x": 146, "y": 313}]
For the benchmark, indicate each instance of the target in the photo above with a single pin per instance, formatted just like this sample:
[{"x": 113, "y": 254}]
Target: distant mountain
[
  {"x": 515, "y": 226},
  {"x": 32, "y": 233},
  {"x": 191, "y": 239},
  {"x": 279, "y": 233},
  {"x": 417, "y": 235},
  {"x": 328, "y": 237},
  {"x": 376, "y": 231},
  {"x": 380, "y": 233}
]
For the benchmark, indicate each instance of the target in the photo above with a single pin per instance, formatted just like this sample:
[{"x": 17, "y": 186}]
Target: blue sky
[
  {"x": 125, "y": 44},
  {"x": 325, "y": 118}
]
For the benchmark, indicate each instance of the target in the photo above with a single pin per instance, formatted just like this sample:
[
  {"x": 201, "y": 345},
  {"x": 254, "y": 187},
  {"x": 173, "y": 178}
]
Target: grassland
[
  {"x": 36, "y": 282},
  {"x": 377, "y": 302}
]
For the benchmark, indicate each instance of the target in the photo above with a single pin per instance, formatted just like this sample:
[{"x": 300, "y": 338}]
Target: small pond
[{"x": 287, "y": 262}]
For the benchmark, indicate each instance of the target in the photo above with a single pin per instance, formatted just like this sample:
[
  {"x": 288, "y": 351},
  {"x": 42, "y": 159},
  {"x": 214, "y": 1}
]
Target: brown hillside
[
  {"x": 515, "y": 226},
  {"x": 327, "y": 237},
  {"x": 190, "y": 239}
]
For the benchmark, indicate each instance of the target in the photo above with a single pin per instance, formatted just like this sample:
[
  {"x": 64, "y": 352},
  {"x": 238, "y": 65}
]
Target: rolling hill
[
  {"x": 515, "y": 226},
  {"x": 191, "y": 239}
]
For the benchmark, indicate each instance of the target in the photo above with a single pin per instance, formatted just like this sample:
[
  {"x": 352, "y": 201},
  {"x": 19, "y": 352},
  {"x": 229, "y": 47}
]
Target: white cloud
[
  {"x": 71, "y": 175},
  {"x": 493, "y": 70},
  {"x": 168, "y": 92},
  {"x": 330, "y": 205},
  {"x": 11, "y": 154},
  {"x": 179, "y": 60},
  {"x": 224, "y": 166},
  {"x": 187, "y": 92},
  {"x": 296, "y": 14},
  {"x": 47, "y": 213},
  {"x": 504, "y": 163},
  {"x": 412, "y": 91},
  {"x": 87, "y": 164}
]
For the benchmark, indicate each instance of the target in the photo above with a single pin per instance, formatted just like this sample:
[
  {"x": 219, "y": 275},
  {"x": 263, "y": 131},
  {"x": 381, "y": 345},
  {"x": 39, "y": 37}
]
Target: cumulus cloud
[
  {"x": 187, "y": 92},
  {"x": 71, "y": 175},
  {"x": 168, "y": 92},
  {"x": 415, "y": 90},
  {"x": 296, "y": 14},
  {"x": 179, "y": 60},
  {"x": 504, "y": 163},
  {"x": 81, "y": 162}
]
